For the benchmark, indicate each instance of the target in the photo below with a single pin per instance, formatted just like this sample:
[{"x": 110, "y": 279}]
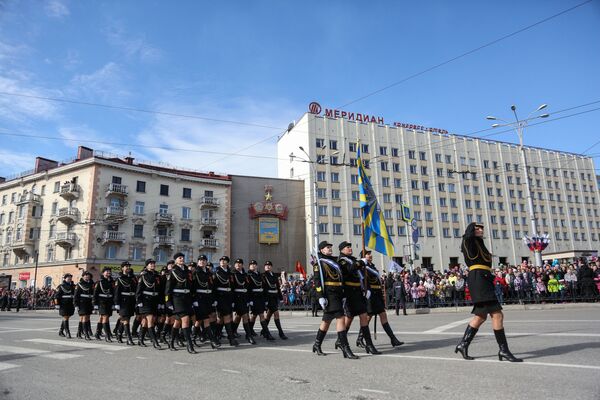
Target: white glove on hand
[
  {"x": 117, "y": 307},
  {"x": 161, "y": 306},
  {"x": 250, "y": 303},
  {"x": 195, "y": 304},
  {"x": 140, "y": 305},
  {"x": 368, "y": 295},
  {"x": 95, "y": 307},
  {"x": 56, "y": 307},
  {"x": 214, "y": 304},
  {"x": 170, "y": 307},
  {"x": 323, "y": 302}
]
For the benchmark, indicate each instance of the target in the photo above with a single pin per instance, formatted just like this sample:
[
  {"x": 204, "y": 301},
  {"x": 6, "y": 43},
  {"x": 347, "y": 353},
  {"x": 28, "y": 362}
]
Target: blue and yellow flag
[{"x": 376, "y": 233}]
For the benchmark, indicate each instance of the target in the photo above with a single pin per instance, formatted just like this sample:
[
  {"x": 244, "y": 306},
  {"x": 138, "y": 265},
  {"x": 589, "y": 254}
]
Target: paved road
[{"x": 561, "y": 348}]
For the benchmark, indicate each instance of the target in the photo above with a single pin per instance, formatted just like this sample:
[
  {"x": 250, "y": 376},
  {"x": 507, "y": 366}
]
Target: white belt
[
  {"x": 67, "y": 296},
  {"x": 105, "y": 295},
  {"x": 224, "y": 289},
  {"x": 272, "y": 291},
  {"x": 150, "y": 293},
  {"x": 128, "y": 293},
  {"x": 257, "y": 290},
  {"x": 85, "y": 295},
  {"x": 185, "y": 291},
  {"x": 240, "y": 290},
  {"x": 203, "y": 291}
]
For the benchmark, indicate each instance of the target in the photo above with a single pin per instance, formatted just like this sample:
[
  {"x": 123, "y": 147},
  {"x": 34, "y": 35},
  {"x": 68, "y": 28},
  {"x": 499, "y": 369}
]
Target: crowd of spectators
[{"x": 23, "y": 298}]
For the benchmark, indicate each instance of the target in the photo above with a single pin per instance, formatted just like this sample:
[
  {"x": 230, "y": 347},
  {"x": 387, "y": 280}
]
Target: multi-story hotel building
[
  {"x": 447, "y": 181},
  {"x": 97, "y": 210}
]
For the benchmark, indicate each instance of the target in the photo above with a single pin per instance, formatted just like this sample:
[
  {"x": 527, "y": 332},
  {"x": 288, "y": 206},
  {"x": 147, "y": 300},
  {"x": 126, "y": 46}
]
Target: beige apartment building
[
  {"x": 98, "y": 210},
  {"x": 447, "y": 181}
]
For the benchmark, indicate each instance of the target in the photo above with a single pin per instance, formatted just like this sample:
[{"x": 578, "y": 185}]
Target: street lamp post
[
  {"x": 315, "y": 203},
  {"x": 519, "y": 127},
  {"x": 35, "y": 282}
]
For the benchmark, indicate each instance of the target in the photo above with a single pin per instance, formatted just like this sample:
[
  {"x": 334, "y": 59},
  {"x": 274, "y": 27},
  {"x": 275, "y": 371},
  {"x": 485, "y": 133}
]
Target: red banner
[{"x": 23, "y": 276}]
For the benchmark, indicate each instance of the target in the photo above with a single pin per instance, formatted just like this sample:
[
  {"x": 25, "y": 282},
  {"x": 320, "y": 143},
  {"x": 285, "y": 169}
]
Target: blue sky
[{"x": 263, "y": 62}]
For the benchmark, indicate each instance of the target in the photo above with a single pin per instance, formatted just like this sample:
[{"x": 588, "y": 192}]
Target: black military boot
[
  {"x": 229, "y": 329},
  {"x": 249, "y": 337},
  {"x": 166, "y": 330},
  {"x": 142, "y": 337},
  {"x": 388, "y": 329},
  {"x": 79, "y": 330},
  {"x": 107, "y": 334},
  {"x": 187, "y": 332},
  {"x": 369, "y": 346},
  {"x": 338, "y": 344},
  {"x": 119, "y": 332},
  {"x": 135, "y": 327},
  {"x": 118, "y": 324},
  {"x": 360, "y": 342},
  {"x": 213, "y": 332},
  {"x": 181, "y": 338},
  {"x": 265, "y": 331},
  {"x": 129, "y": 338},
  {"x": 344, "y": 346},
  {"x": 463, "y": 345},
  {"x": 98, "y": 331},
  {"x": 202, "y": 333},
  {"x": 318, "y": 341},
  {"x": 174, "y": 334},
  {"x": 154, "y": 339},
  {"x": 234, "y": 327},
  {"x": 281, "y": 334},
  {"x": 252, "y": 332},
  {"x": 503, "y": 344},
  {"x": 159, "y": 328},
  {"x": 61, "y": 331},
  {"x": 67, "y": 331},
  {"x": 87, "y": 330},
  {"x": 214, "y": 343}
]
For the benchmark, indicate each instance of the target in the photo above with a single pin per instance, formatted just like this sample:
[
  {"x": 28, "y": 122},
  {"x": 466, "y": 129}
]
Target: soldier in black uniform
[
  {"x": 147, "y": 299},
  {"x": 272, "y": 290},
  {"x": 103, "y": 302},
  {"x": 329, "y": 283},
  {"x": 356, "y": 293},
  {"x": 63, "y": 300},
  {"x": 84, "y": 293},
  {"x": 203, "y": 301},
  {"x": 165, "y": 319},
  {"x": 124, "y": 300},
  {"x": 223, "y": 296},
  {"x": 178, "y": 295},
  {"x": 376, "y": 302},
  {"x": 480, "y": 281},
  {"x": 256, "y": 301},
  {"x": 240, "y": 299}
]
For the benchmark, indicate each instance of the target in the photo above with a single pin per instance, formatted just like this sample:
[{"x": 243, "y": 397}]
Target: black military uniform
[
  {"x": 256, "y": 300},
  {"x": 239, "y": 284},
  {"x": 103, "y": 301},
  {"x": 481, "y": 287},
  {"x": 178, "y": 293},
  {"x": 148, "y": 292},
  {"x": 202, "y": 283},
  {"x": 222, "y": 291},
  {"x": 124, "y": 300},
  {"x": 84, "y": 293},
  {"x": 64, "y": 301},
  {"x": 272, "y": 290}
]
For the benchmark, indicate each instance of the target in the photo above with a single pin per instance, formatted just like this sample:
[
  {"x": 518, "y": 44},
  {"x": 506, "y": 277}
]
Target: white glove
[
  {"x": 323, "y": 302},
  {"x": 195, "y": 304},
  {"x": 250, "y": 303},
  {"x": 141, "y": 305},
  {"x": 214, "y": 304},
  {"x": 161, "y": 306},
  {"x": 56, "y": 307},
  {"x": 170, "y": 307},
  {"x": 368, "y": 295},
  {"x": 117, "y": 307},
  {"x": 266, "y": 303},
  {"x": 95, "y": 307}
]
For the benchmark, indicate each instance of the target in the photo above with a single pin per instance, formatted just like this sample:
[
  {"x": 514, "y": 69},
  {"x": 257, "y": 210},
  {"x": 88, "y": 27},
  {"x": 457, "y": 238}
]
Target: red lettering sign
[{"x": 23, "y": 276}]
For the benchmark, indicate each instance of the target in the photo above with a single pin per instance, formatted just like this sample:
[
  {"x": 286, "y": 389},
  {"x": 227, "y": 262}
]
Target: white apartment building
[
  {"x": 98, "y": 210},
  {"x": 447, "y": 181}
]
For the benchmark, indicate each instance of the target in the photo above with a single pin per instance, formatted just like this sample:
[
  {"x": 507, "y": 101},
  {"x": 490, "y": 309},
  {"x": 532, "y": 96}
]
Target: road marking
[
  {"x": 81, "y": 345},
  {"x": 231, "y": 370},
  {"x": 455, "y": 359},
  {"x": 5, "y": 366},
  {"x": 374, "y": 391},
  {"x": 556, "y": 334},
  {"x": 142, "y": 358},
  {"x": 180, "y": 363},
  {"x": 448, "y": 326},
  {"x": 13, "y": 330},
  {"x": 36, "y": 352}
]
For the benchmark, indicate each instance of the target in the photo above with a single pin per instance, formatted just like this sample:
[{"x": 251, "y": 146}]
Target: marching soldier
[
  {"x": 124, "y": 300},
  {"x": 103, "y": 302},
  {"x": 178, "y": 295},
  {"x": 224, "y": 298},
  {"x": 147, "y": 299},
  {"x": 203, "y": 301},
  {"x": 256, "y": 298},
  {"x": 84, "y": 293},
  {"x": 63, "y": 301},
  {"x": 356, "y": 300},
  {"x": 376, "y": 303},
  {"x": 165, "y": 320},
  {"x": 480, "y": 281},
  {"x": 273, "y": 295},
  {"x": 329, "y": 282},
  {"x": 240, "y": 299}
]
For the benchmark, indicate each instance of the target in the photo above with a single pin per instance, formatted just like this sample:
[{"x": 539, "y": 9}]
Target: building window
[
  {"x": 138, "y": 231},
  {"x": 321, "y": 176},
  {"x": 321, "y": 193},
  {"x": 56, "y": 190},
  {"x": 382, "y": 150},
  {"x": 111, "y": 252},
  {"x": 186, "y": 213},
  {"x": 384, "y": 166},
  {"x": 422, "y": 156},
  {"x": 137, "y": 253},
  {"x": 357, "y": 229},
  {"x": 187, "y": 193},
  {"x": 397, "y": 183},
  {"x": 352, "y": 147},
  {"x": 336, "y": 211},
  {"x": 163, "y": 209},
  {"x": 411, "y": 154},
  {"x": 364, "y": 148},
  {"x": 429, "y": 232},
  {"x": 394, "y": 152},
  {"x": 140, "y": 187},
  {"x": 385, "y": 182},
  {"x": 322, "y": 211},
  {"x": 335, "y": 177},
  {"x": 323, "y": 227},
  {"x": 333, "y": 144},
  {"x": 139, "y": 208},
  {"x": 185, "y": 235},
  {"x": 335, "y": 194},
  {"x": 337, "y": 229},
  {"x": 355, "y": 195},
  {"x": 354, "y": 179},
  {"x": 402, "y": 230},
  {"x": 320, "y": 143},
  {"x": 164, "y": 190}
]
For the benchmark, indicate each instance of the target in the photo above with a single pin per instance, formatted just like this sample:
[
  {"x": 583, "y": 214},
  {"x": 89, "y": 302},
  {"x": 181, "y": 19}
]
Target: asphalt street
[{"x": 561, "y": 348}]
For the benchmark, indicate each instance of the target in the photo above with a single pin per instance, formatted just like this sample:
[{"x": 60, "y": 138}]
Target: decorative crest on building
[{"x": 268, "y": 206}]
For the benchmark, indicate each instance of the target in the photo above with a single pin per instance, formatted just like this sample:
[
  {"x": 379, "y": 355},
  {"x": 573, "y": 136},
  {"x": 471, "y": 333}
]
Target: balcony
[
  {"x": 113, "y": 237},
  {"x": 22, "y": 246},
  {"x": 209, "y": 202},
  {"x": 164, "y": 240},
  {"x": 209, "y": 243},
  {"x": 69, "y": 191},
  {"x": 65, "y": 239},
  {"x": 114, "y": 213},
  {"x": 164, "y": 219},
  {"x": 116, "y": 188},
  {"x": 29, "y": 198},
  {"x": 208, "y": 223},
  {"x": 68, "y": 215}
]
